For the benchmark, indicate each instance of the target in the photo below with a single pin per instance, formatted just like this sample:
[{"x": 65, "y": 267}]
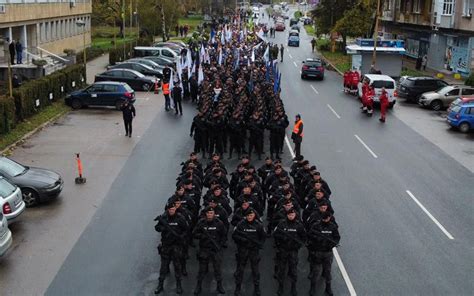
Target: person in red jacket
[
  {"x": 370, "y": 101},
  {"x": 365, "y": 90},
  {"x": 383, "y": 104}
]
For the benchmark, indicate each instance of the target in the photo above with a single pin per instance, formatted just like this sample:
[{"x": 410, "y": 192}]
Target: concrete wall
[
  {"x": 437, "y": 51},
  {"x": 74, "y": 42}
]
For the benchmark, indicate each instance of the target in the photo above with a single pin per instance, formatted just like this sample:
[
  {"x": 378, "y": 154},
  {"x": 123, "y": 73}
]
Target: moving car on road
[
  {"x": 106, "y": 93},
  {"x": 295, "y": 28},
  {"x": 5, "y": 235},
  {"x": 36, "y": 184},
  {"x": 293, "y": 21},
  {"x": 443, "y": 97},
  {"x": 378, "y": 81},
  {"x": 280, "y": 26},
  {"x": 134, "y": 79},
  {"x": 462, "y": 117},
  {"x": 11, "y": 201},
  {"x": 294, "y": 40},
  {"x": 312, "y": 68},
  {"x": 411, "y": 88},
  {"x": 144, "y": 69}
]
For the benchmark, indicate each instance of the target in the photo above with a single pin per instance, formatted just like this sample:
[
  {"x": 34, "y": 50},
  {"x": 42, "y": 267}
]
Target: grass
[
  {"x": 103, "y": 36},
  {"x": 310, "y": 30},
  {"x": 340, "y": 60},
  {"x": 192, "y": 21},
  {"x": 107, "y": 43},
  {"x": 411, "y": 72},
  {"x": 23, "y": 128}
]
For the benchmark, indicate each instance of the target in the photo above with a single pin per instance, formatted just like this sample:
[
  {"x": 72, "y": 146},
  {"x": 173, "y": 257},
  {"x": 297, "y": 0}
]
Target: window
[
  {"x": 470, "y": 111},
  {"x": 95, "y": 88},
  {"x": 416, "y": 6},
  {"x": 6, "y": 188},
  {"x": 11, "y": 168},
  {"x": 448, "y": 6},
  {"x": 113, "y": 73},
  {"x": 454, "y": 92},
  {"x": 127, "y": 74},
  {"x": 167, "y": 54},
  {"x": 467, "y": 91},
  {"x": 110, "y": 88},
  {"x": 468, "y": 7},
  {"x": 383, "y": 83}
]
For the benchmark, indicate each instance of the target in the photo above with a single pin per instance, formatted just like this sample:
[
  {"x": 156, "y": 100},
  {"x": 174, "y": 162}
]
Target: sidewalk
[{"x": 449, "y": 78}]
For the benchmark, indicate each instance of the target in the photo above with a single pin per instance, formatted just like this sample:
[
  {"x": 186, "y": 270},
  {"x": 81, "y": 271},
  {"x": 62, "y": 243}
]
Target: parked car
[
  {"x": 293, "y": 21},
  {"x": 104, "y": 93},
  {"x": 461, "y": 101},
  {"x": 295, "y": 28},
  {"x": 147, "y": 62},
  {"x": 294, "y": 41},
  {"x": 280, "y": 27},
  {"x": 179, "y": 42},
  {"x": 11, "y": 201},
  {"x": 379, "y": 81},
  {"x": 144, "y": 69},
  {"x": 411, "y": 88},
  {"x": 306, "y": 20},
  {"x": 36, "y": 184},
  {"x": 5, "y": 235},
  {"x": 143, "y": 51},
  {"x": 312, "y": 68},
  {"x": 173, "y": 46},
  {"x": 134, "y": 79},
  {"x": 462, "y": 117},
  {"x": 443, "y": 97},
  {"x": 162, "y": 61}
]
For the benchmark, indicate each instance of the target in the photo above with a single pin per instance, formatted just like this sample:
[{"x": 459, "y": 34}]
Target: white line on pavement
[
  {"x": 314, "y": 90},
  {"x": 334, "y": 111},
  {"x": 341, "y": 266},
  {"x": 429, "y": 215},
  {"x": 366, "y": 147},
  {"x": 290, "y": 56},
  {"x": 294, "y": 63},
  {"x": 287, "y": 49}
]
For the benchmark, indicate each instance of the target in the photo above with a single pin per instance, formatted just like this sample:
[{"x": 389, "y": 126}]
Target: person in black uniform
[
  {"x": 256, "y": 127},
  {"x": 173, "y": 228},
  {"x": 166, "y": 74},
  {"x": 249, "y": 235},
  {"x": 177, "y": 98},
  {"x": 194, "y": 88},
  {"x": 322, "y": 238},
  {"x": 210, "y": 232},
  {"x": 289, "y": 236},
  {"x": 128, "y": 112}
]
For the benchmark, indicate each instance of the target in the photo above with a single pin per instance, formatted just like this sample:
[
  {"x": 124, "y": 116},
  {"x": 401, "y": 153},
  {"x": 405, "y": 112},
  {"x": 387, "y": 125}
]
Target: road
[{"x": 404, "y": 206}]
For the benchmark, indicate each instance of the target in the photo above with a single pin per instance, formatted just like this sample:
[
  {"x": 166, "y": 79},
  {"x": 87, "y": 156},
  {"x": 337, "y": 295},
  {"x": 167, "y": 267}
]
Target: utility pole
[{"x": 376, "y": 32}]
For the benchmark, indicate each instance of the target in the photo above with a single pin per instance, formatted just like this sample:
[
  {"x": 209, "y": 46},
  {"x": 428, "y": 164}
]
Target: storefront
[{"x": 451, "y": 53}]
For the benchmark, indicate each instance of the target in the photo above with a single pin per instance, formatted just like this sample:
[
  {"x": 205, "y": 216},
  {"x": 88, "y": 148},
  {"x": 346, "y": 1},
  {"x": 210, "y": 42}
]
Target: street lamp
[
  {"x": 135, "y": 13},
  {"x": 81, "y": 23}
]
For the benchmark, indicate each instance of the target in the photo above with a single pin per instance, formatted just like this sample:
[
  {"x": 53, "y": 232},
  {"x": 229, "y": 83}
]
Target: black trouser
[
  {"x": 216, "y": 143},
  {"x": 12, "y": 58},
  {"x": 256, "y": 140},
  {"x": 194, "y": 96},
  {"x": 205, "y": 256},
  {"x": 172, "y": 253},
  {"x": 281, "y": 140},
  {"x": 297, "y": 148},
  {"x": 242, "y": 256},
  {"x": 177, "y": 105},
  {"x": 128, "y": 126},
  {"x": 318, "y": 260},
  {"x": 167, "y": 102},
  {"x": 274, "y": 144},
  {"x": 283, "y": 259},
  {"x": 235, "y": 143}
]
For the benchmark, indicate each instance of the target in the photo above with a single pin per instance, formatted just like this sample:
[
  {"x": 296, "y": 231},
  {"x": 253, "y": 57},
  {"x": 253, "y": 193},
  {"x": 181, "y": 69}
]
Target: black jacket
[
  {"x": 173, "y": 229},
  {"x": 323, "y": 237},
  {"x": 289, "y": 235},
  {"x": 211, "y": 234},
  {"x": 249, "y": 234},
  {"x": 128, "y": 112}
]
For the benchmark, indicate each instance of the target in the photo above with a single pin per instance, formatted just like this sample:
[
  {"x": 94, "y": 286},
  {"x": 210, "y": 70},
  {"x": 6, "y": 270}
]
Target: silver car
[
  {"x": 5, "y": 235},
  {"x": 441, "y": 98},
  {"x": 11, "y": 201}
]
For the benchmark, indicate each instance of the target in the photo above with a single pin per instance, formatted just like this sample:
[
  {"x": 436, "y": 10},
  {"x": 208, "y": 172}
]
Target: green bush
[
  {"x": 116, "y": 55},
  {"x": 470, "y": 80},
  {"x": 323, "y": 44},
  {"x": 91, "y": 53},
  {"x": 298, "y": 14},
  {"x": 36, "y": 94},
  {"x": 7, "y": 114}
]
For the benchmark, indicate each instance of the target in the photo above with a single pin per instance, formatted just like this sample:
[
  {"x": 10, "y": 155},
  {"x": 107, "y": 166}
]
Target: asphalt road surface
[{"x": 404, "y": 207}]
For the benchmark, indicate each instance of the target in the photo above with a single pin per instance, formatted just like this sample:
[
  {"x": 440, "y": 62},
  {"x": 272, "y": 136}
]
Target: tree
[
  {"x": 163, "y": 10},
  {"x": 328, "y": 12}
]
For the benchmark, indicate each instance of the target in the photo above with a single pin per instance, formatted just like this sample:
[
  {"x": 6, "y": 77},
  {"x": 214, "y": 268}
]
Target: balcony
[
  {"x": 446, "y": 21},
  {"x": 387, "y": 15},
  {"x": 414, "y": 18}
]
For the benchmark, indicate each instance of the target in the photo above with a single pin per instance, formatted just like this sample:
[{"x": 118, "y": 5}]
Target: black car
[
  {"x": 294, "y": 21},
  {"x": 411, "y": 88},
  {"x": 37, "y": 185},
  {"x": 147, "y": 62},
  {"x": 144, "y": 69},
  {"x": 312, "y": 68},
  {"x": 295, "y": 27},
  {"x": 135, "y": 79},
  {"x": 107, "y": 93},
  {"x": 162, "y": 61}
]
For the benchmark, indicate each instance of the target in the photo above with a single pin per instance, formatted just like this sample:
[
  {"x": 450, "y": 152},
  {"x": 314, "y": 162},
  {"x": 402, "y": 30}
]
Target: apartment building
[
  {"x": 45, "y": 27},
  {"x": 441, "y": 29}
]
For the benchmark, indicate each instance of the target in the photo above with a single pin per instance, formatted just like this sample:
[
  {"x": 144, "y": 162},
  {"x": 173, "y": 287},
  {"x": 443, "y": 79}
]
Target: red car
[{"x": 280, "y": 27}]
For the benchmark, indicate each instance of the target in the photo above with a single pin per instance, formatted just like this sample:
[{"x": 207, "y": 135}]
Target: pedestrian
[
  {"x": 128, "y": 112},
  {"x": 11, "y": 49},
  {"x": 165, "y": 86},
  {"x": 297, "y": 135},
  {"x": 313, "y": 44},
  {"x": 282, "y": 50},
  {"x": 177, "y": 98},
  {"x": 210, "y": 232},
  {"x": 19, "y": 52},
  {"x": 181, "y": 31},
  {"x": 16, "y": 81},
  {"x": 384, "y": 103},
  {"x": 173, "y": 228},
  {"x": 249, "y": 236},
  {"x": 424, "y": 62},
  {"x": 194, "y": 88},
  {"x": 176, "y": 29},
  {"x": 289, "y": 237},
  {"x": 322, "y": 238}
]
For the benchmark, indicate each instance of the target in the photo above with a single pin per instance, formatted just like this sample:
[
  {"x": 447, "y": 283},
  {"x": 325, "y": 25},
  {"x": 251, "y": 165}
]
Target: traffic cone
[
  {"x": 80, "y": 179},
  {"x": 156, "y": 87}
]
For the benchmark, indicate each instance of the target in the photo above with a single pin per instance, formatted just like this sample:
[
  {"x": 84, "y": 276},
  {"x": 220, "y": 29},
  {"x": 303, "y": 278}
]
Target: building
[
  {"x": 45, "y": 27},
  {"x": 443, "y": 30}
]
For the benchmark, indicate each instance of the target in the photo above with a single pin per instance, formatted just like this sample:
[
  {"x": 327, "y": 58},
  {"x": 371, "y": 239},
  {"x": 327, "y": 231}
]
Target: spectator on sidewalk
[
  {"x": 313, "y": 44},
  {"x": 129, "y": 113},
  {"x": 19, "y": 52},
  {"x": 424, "y": 62},
  {"x": 11, "y": 49}
]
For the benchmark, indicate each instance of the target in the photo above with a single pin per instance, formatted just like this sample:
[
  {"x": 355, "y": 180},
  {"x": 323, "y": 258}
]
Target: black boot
[
  {"x": 160, "y": 288},
  {"x": 198, "y": 288},
  {"x": 294, "y": 292},
  {"x": 179, "y": 289},
  {"x": 220, "y": 288},
  {"x": 184, "y": 272},
  {"x": 256, "y": 290},
  {"x": 280, "y": 290},
  {"x": 312, "y": 289},
  {"x": 237, "y": 289},
  {"x": 328, "y": 289}
]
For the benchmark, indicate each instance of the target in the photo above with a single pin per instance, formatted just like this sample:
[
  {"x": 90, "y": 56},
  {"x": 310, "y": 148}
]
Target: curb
[
  {"x": 31, "y": 133},
  {"x": 332, "y": 65}
]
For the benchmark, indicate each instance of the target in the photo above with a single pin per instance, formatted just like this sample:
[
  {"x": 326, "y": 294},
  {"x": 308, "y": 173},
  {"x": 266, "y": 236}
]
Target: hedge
[
  {"x": 91, "y": 53},
  {"x": 7, "y": 114},
  {"x": 470, "y": 80},
  {"x": 36, "y": 94},
  {"x": 116, "y": 55}
]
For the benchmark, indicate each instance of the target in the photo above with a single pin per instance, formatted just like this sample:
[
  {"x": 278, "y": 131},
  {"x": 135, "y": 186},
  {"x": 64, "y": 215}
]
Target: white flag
[
  {"x": 171, "y": 80},
  {"x": 266, "y": 55},
  {"x": 260, "y": 33},
  {"x": 219, "y": 60},
  {"x": 191, "y": 72},
  {"x": 200, "y": 75},
  {"x": 189, "y": 60},
  {"x": 179, "y": 70},
  {"x": 253, "y": 55}
]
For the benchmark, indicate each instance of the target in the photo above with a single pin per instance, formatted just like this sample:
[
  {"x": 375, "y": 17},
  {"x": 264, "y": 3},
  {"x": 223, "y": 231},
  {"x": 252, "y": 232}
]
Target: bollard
[
  {"x": 80, "y": 179},
  {"x": 156, "y": 87}
]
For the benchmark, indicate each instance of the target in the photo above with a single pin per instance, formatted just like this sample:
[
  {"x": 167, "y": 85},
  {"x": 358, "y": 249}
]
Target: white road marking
[
  {"x": 314, "y": 90},
  {"x": 290, "y": 56},
  {"x": 287, "y": 49},
  {"x": 334, "y": 111},
  {"x": 294, "y": 63},
  {"x": 366, "y": 147},
  {"x": 300, "y": 71},
  {"x": 429, "y": 215},
  {"x": 344, "y": 273}
]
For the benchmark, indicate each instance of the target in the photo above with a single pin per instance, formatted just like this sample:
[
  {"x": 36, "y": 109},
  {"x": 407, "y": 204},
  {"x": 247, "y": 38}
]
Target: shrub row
[
  {"x": 125, "y": 51},
  {"x": 91, "y": 53},
  {"x": 36, "y": 94}
]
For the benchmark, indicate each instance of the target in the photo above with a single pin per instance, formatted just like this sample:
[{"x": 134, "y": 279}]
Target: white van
[
  {"x": 145, "y": 51},
  {"x": 378, "y": 81}
]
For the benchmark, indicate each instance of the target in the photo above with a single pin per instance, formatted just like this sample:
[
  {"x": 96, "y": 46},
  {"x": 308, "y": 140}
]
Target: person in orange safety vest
[{"x": 297, "y": 135}]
